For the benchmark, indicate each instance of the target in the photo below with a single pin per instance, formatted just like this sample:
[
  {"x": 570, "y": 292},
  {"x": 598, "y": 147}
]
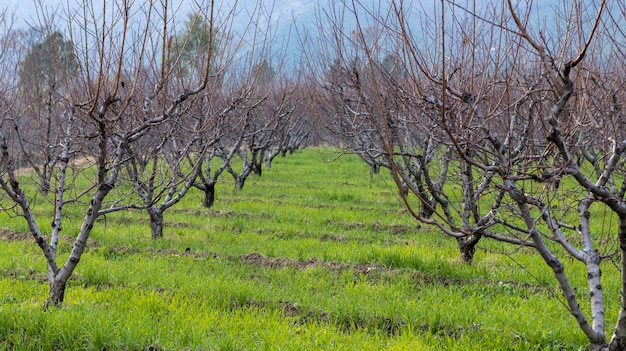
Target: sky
[
  {"x": 283, "y": 10},
  {"x": 285, "y": 16},
  {"x": 281, "y": 14}
]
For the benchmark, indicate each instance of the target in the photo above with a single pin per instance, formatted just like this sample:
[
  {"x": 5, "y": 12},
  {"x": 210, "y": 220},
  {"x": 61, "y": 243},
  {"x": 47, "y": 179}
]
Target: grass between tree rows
[{"x": 313, "y": 255}]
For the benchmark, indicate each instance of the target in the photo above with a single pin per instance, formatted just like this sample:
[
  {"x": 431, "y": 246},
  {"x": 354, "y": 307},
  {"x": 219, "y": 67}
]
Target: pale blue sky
[
  {"x": 280, "y": 13},
  {"x": 25, "y": 10},
  {"x": 283, "y": 13}
]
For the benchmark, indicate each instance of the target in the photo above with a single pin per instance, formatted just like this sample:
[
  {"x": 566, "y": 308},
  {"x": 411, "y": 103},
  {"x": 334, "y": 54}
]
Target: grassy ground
[{"x": 311, "y": 256}]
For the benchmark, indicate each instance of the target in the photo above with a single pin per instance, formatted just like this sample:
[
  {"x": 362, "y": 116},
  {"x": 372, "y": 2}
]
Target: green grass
[{"x": 311, "y": 256}]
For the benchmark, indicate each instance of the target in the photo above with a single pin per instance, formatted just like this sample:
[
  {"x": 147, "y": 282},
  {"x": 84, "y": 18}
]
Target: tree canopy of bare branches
[
  {"x": 493, "y": 125},
  {"x": 118, "y": 108}
]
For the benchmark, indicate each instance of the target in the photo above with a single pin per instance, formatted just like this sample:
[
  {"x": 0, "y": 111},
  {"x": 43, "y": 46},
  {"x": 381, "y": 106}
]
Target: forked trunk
[{"x": 57, "y": 292}]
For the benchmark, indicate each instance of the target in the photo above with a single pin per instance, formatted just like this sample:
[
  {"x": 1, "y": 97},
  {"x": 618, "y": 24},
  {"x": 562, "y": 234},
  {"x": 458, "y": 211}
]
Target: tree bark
[
  {"x": 44, "y": 187},
  {"x": 156, "y": 222},
  {"x": 597, "y": 340},
  {"x": 618, "y": 340},
  {"x": 467, "y": 246},
  {"x": 256, "y": 162},
  {"x": 239, "y": 182},
  {"x": 257, "y": 168},
  {"x": 209, "y": 194},
  {"x": 269, "y": 157},
  {"x": 57, "y": 292}
]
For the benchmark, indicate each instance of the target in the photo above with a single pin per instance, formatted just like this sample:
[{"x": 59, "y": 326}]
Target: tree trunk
[
  {"x": 257, "y": 168},
  {"x": 209, "y": 194},
  {"x": 44, "y": 187},
  {"x": 156, "y": 222},
  {"x": 269, "y": 157},
  {"x": 375, "y": 168},
  {"x": 257, "y": 162},
  {"x": 268, "y": 161},
  {"x": 239, "y": 182},
  {"x": 618, "y": 341},
  {"x": 427, "y": 205},
  {"x": 57, "y": 292},
  {"x": 597, "y": 347},
  {"x": 467, "y": 246}
]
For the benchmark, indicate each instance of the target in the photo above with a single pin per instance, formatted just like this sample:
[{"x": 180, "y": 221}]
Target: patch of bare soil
[
  {"x": 280, "y": 262},
  {"x": 178, "y": 224},
  {"x": 295, "y": 310},
  {"x": 20, "y": 273},
  {"x": 11, "y": 235}
]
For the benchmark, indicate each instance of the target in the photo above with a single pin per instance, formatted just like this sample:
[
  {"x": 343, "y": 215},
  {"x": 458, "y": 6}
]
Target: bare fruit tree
[
  {"x": 265, "y": 126},
  {"x": 261, "y": 107},
  {"x": 120, "y": 94},
  {"x": 495, "y": 127},
  {"x": 165, "y": 165}
]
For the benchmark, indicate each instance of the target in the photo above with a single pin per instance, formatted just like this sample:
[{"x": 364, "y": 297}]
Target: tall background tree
[
  {"x": 48, "y": 63},
  {"x": 188, "y": 50},
  {"x": 45, "y": 73}
]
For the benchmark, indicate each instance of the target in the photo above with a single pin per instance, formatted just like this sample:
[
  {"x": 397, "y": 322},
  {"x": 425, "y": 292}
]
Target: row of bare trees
[
  {"x": 496, "y": 123},
  {"x": 493, "y": 126},
  {"x": 122, "y": 107}
]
